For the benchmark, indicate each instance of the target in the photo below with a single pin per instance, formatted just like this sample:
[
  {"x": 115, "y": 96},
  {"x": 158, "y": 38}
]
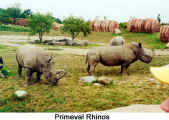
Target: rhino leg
[
  {"x": 124, "y": 68},
  {"x": 92, "y": 67},
  {"x": 92, "y": 61},
  {"x": 38, "y": 76},
  {"x": 88, "y": 68},
  {"x": 19, "y": 70},
  {"x": 28, "y": 76}
]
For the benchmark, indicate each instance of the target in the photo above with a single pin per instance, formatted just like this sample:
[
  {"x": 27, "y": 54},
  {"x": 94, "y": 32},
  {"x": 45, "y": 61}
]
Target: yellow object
[{"x": 161, "y": 73}]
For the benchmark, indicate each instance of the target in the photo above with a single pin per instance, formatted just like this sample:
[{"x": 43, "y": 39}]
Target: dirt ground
[{"x": 16, "y": 40}]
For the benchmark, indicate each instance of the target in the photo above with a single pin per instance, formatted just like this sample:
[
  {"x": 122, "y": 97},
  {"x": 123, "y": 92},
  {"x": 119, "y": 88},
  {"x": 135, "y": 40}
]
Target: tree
[
  {"x": 14, "y": 12},
  {"x": 40, "y": 23},
  {"x": 26, "y": 13},
  {"x": 4, "y": 17},
  {"x": 57, "y": 20},
  {"x": 75, "y": 25}
]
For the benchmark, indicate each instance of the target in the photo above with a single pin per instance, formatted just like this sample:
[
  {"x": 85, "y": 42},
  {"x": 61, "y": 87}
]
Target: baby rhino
[
  {"x": 36, "y": 59},
  {"x": 117, "y": 56}
]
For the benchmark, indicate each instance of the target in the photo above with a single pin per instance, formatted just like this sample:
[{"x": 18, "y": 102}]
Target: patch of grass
[
  {"x": 149, "y": 40},
  {"x": 70, "y": 96},
  {"x": 58, "y": 100}
]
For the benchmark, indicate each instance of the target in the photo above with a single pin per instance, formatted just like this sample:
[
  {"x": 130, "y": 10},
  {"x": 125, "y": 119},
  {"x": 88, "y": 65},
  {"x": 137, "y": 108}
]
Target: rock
[
  {"x": 97, "y": 84},
  {"x": 80, "y": 43},
  {"x": 20, "y": 94},
  {"x": 167, "y": 45},
  {"x": 62, "y": 41},
  {"x": 166, "y": 66},
  {"x": 68, "y": 41},
  {"x": 104, "y": 80},
  {"x": 2, "y": 75},
  {"x": 87, "y": 79},
  {"x": 117, "y": 41},
  {"x": 57, "y": 43},
  {"x": 117, "y": 31}
]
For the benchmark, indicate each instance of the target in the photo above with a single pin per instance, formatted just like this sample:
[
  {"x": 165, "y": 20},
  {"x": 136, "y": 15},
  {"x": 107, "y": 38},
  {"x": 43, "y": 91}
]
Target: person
[{"x": 1, "y": 66}]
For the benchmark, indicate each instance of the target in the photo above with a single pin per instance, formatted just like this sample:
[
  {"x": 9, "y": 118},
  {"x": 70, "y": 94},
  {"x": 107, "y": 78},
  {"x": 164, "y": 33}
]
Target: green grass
[
  {"x": 70, "y": 95},
  {"x": 13, "y": 28},
  {"x": 149, "y": 40}
]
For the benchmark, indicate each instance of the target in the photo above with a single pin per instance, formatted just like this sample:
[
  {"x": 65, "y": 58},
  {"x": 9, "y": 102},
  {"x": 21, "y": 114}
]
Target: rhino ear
[
  {"x": 140, "y": 45},
  {"x": 50, "y": 59}
]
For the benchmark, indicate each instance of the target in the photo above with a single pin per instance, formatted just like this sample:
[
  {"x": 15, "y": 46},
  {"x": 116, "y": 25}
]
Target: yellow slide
[{"x": 161, "y": 73}]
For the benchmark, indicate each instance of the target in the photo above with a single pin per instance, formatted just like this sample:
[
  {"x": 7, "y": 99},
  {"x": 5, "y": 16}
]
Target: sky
[{"x": 119, "y": 10}]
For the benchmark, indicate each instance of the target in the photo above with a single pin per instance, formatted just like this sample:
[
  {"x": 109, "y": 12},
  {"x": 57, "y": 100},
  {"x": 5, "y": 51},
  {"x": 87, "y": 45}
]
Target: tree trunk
[
  {"x": 40, "y": 37},
  {"x": 73, "y": 36}
]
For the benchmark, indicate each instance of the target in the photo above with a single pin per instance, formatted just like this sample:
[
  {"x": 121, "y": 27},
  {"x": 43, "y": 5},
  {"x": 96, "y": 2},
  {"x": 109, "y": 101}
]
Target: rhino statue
[
  {"x": 36, "y": 59},
  {"x": 122, "y": 56}
]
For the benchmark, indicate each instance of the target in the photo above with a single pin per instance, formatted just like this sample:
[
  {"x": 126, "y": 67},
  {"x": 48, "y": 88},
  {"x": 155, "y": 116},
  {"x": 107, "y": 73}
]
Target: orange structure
[
  {"x": 143, "y": 25},
  {"x": 104, "y": 26}
]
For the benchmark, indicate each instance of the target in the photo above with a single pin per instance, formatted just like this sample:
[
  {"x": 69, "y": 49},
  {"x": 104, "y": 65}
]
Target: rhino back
[
  {"x": 31, "y": 57},
  {"x": 116, "y": 55}
]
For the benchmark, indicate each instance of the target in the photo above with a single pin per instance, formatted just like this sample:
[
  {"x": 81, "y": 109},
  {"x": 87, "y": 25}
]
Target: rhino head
[
  {"x": 53, "y": 76},
  {"x": 145, "y": 55}
]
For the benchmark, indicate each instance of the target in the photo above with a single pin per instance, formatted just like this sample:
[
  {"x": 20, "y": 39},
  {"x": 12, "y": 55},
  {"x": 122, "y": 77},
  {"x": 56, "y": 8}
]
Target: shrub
[
  {"x": 5, "y": 20},
  {"x": 13, "y": 28},
  {"x": 123, "y": 25}
]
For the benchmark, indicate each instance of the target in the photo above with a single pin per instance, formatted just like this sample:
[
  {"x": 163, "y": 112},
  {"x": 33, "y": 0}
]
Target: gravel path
[
  {"x": 14, "y": 41},
  {"x": 138, "y": 108}
]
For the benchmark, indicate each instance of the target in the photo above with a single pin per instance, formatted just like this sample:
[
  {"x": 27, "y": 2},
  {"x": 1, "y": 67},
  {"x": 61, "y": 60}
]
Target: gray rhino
[
  {"x": 36, "y": 59},
  {"x": 122, "y": 56}
]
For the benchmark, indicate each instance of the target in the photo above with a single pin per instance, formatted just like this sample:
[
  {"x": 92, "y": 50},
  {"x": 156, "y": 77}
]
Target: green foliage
[
  {"x": 26, "y": 13},
  {"x": 13, "y": 12},
  {"x": 57, "y": 20},
  {"x": 13, "y": 28},
  {"x": 123, "y": 25},
  {"x": 5, "y": 20},
  {"x": 5, "y": 72},
  {"x": 40, "y": 24},
  {"x": 3, "y": 13},
  {"x": 75, "y": 26},
  {"x": 4, "y": 17}
]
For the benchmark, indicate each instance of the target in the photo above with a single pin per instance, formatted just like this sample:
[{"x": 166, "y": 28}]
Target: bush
[
  {"x": 123, "y": 25},
  {"x": 13, "y": 28},
  {"x": 5, "y": 20}
]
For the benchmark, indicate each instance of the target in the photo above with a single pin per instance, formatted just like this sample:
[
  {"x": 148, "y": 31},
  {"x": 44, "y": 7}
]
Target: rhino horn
[{"x": 61, "y": 74}]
